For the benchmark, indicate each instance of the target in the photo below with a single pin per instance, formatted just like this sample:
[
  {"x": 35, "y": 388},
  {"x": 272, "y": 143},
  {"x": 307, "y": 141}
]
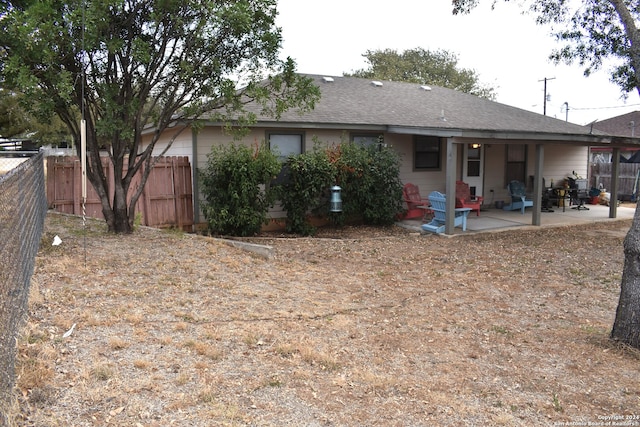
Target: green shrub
[
  {"x": 236, "y": 188},
  {"x": 370, "y": 182},
  {"x": 367, "y": 175},
  {"x": 304, "y": 190}
]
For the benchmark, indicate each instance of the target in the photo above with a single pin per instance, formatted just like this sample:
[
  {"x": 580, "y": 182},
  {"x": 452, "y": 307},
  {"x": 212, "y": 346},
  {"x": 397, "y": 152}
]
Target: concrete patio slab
[{"x": 497, "y": 219}]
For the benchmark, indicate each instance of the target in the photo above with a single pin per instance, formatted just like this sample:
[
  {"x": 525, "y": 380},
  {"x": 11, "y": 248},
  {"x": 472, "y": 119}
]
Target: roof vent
[
  {"x": 425, "y": 87},
  {"x": 327, "y": 79},
  {"x": 376, "y": 83}
]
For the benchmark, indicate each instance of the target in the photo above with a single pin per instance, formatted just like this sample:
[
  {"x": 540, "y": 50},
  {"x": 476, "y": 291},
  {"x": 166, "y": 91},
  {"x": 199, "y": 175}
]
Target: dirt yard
[{"x": 355, "y": 327}]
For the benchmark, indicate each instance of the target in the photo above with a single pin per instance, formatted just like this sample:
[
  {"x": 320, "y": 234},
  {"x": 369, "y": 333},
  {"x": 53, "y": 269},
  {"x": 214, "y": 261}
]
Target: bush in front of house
[
  {"x": 370, "y": 180},
  {"x": 368, "y": 176},
  {"x": 236, "y": 188},
  {"x": 305, "y": 187}
]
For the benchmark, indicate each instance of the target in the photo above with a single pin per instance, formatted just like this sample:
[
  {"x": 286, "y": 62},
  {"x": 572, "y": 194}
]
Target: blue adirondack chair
[
  {"x": 519, "y": 200},
  {"x": 438, "y": 205}
]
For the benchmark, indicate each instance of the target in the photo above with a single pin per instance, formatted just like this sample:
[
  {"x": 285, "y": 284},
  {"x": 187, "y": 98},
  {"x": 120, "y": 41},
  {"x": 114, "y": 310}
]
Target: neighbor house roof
[
  {"x": 627, "y": 125},
  {"x": 399, "y": 107}
]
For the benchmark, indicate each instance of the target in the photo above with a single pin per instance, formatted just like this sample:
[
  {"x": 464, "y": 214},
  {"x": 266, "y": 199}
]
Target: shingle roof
[
  {"x": 625, "y": 125},
  {"x": 356, "y": 101}
]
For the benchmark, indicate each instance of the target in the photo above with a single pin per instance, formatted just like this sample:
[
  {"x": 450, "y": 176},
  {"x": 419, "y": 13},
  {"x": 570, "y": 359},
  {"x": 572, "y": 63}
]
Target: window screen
[
  {"x": 516, "y": 168},
  {"x": 426, "y": 152},
  {"x": 285, "y": 145}
]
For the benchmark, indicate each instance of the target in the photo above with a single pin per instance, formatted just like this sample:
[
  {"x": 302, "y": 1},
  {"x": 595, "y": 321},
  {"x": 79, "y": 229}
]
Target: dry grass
[{"x": 375, "y": 327}]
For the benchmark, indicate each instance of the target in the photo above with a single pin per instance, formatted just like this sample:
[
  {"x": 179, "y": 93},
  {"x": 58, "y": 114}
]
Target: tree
[
  {"x": 424, "y": 67},
  {"x": 591, "y": 31},
  {"x": 133, "y": 65},
  {"x": 16, "y": 122},
  {"x": 12, "y": 121}
]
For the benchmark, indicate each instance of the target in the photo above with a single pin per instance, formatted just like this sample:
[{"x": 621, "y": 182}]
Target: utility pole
[{"x": 544, "y": 111}]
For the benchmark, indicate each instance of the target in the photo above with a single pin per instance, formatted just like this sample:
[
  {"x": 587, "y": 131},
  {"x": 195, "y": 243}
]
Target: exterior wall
[
  {"x": 427, "y": 181},
  {"x": 494, "y": 167},
  {"x": 559, "y": 160},
  {"x": 212, "y": 136},
  {"x": 209, "y": 137},
  {"x": 180, "y": 147}
]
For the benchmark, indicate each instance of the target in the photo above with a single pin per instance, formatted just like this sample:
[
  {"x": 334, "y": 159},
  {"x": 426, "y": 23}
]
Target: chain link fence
[{"x": 23, "y": 206}]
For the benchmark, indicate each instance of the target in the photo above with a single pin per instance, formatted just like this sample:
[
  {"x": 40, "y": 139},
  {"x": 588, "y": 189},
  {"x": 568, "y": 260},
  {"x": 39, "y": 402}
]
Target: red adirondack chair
[
  {"x": 464, "y": 199},
  {"x": 417, "y": 206}
]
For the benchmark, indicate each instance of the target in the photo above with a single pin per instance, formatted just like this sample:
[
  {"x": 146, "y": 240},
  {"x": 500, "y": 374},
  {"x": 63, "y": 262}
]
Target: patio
[{"x": 492, "y": 219}]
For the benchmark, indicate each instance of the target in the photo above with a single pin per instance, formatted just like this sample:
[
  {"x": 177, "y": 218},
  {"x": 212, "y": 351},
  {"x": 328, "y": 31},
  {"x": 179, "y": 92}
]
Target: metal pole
[
  {"x": 544, "y": 105},
  {"x": 544, "y": 108}
]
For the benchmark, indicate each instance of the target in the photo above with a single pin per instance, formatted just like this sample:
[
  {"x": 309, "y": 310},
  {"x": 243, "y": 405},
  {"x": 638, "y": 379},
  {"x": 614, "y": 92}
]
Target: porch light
[
  {"x": 475, "y": 145},
  {"x": 335, "y": 204}
]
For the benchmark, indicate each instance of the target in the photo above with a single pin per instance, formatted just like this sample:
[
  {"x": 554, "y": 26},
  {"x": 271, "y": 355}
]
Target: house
[
  {"x": 625, "y": 125},
  {"x": 442, "y": 135}
]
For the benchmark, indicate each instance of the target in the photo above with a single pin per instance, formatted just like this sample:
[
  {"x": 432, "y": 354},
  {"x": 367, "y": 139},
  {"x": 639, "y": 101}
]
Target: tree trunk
[
  {"x": 120, "y": 220},
  {"x": 626, "y": 327}
]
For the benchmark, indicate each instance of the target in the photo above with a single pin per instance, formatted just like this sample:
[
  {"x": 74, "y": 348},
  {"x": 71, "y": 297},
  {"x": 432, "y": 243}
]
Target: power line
[{"x": 605, "y": 108}]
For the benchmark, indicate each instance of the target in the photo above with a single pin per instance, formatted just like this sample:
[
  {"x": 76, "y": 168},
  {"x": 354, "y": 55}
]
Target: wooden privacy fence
[
  {"x": 627, "y": 172},
  {"x": 166, "y": 201}
]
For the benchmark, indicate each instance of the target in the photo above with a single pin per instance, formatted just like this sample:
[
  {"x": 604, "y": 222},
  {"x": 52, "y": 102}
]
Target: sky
[{"x": 505, "y": 47}]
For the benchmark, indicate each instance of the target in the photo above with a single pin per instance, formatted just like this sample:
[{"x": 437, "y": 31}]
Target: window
[
  {"x": 368, "y": 139},
  {"x": 516, "y": 168},
  {"x": 474, "y": 156},
  {"x": 426, "y": 153},
  {"x": 285, "y": 144}
]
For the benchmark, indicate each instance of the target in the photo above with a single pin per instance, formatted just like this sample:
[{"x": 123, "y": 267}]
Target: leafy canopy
[
  {"x": 144, "y": 68},
  {"x": 16, "y": 122},
  {"x": 422, "y": 66},
  {"x": 12, "y": 120}
]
